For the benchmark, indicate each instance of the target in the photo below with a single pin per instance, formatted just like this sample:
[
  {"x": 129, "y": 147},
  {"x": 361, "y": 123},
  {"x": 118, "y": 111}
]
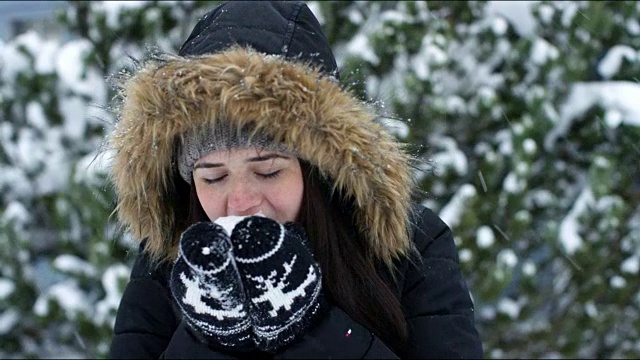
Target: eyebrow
[{"x": 208, "y": 165}]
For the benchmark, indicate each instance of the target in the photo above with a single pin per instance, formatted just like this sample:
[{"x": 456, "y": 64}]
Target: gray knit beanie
[{"x": 201, "y": 141}]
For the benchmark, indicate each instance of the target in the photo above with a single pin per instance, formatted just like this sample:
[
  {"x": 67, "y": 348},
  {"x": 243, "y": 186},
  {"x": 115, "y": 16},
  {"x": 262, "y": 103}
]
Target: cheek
[
  {"x": 210, "y": 203},
  {"x": 287, "y": 199}
]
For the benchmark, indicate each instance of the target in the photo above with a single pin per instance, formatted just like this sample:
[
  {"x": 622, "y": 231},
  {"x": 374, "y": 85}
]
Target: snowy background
[{"x": 524, "y": 116}]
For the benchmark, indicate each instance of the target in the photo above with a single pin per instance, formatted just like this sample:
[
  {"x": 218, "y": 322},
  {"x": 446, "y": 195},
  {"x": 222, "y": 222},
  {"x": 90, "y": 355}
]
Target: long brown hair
[{"x": 353, "y": 278}]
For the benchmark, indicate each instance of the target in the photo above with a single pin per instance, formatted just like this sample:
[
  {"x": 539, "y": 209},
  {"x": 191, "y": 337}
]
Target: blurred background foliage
[{"x": 525, "y": 119}]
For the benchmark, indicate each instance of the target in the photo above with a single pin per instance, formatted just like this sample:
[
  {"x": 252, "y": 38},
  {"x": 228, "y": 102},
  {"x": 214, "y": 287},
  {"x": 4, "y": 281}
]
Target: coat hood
[
  {"x": 292, "y": 98},
  {"x": 284, "y": 28},
  {"x": 289, "y": 102}
]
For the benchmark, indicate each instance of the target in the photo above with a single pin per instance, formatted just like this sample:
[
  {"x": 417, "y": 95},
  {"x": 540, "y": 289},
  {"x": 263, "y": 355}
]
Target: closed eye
[
  {"x": 270, "y": 175},
  {"x": 214, "y": 180}
]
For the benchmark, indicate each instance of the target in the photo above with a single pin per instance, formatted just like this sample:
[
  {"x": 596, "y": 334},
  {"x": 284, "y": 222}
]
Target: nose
[{"x": 243, "y": 199}]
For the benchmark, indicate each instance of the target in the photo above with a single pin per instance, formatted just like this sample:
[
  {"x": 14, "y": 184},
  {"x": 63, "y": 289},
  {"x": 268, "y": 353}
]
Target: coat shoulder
[{"x": 426, "y": 227}]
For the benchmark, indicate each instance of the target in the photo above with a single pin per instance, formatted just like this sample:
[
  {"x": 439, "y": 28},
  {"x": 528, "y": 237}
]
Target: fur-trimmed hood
[{"x": 291, "y": 103}]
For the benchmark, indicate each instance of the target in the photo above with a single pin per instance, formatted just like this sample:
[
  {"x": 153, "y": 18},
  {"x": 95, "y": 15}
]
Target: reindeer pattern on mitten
[
  {"x": 274, "y": 287},
  {"x": 206, "y": 285},
  {"x": 281, "y": 279},
  {"x": 202, "y": 291}
]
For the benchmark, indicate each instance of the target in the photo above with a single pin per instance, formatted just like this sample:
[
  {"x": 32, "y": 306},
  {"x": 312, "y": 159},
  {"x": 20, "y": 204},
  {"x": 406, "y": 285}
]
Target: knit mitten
[
  {"x": 207, "y": 287},
  {"x": 280, "y": 278}
]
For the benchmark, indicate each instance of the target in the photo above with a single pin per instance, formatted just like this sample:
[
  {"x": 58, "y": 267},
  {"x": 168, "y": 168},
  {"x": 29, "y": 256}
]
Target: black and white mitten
[
  {"x": 281, "y": 279},
  {"x": 207, "y": 287}
]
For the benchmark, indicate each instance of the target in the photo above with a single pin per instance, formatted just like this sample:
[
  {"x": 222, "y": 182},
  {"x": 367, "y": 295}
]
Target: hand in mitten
[
  {"x": 280, "y": 278},
  {"x": 207, "y": 287}
]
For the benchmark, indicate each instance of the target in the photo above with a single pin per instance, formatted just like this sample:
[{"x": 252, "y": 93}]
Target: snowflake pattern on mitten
[
  {"x": 206, "y": 285},
  {"x": 281, "y": 279}
]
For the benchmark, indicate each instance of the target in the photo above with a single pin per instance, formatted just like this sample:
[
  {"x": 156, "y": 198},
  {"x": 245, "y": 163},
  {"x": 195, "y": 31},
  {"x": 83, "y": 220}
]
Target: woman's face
[{"x": 247, "y": 181}]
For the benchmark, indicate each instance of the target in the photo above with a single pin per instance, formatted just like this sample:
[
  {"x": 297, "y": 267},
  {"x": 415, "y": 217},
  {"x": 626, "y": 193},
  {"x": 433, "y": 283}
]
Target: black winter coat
[{"x": 433, "y": 293}]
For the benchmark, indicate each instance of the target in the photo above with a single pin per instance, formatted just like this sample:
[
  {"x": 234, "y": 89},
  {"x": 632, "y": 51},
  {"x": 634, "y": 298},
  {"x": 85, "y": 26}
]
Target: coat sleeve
[
  {"x": 147, "y": 325},
  {"x": 145, "y": 321},
  {"x": 435, "y": 297}
]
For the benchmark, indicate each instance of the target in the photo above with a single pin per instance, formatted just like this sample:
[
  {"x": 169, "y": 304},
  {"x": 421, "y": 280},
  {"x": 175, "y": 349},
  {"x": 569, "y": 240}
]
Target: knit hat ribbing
[{"x": 201, "y": 141}]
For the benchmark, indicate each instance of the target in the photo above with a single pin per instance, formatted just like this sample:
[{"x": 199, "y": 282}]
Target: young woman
[{"x": 274, "y": 213}]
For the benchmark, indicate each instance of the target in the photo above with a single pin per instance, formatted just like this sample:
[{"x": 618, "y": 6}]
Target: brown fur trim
[{"x": 290, "y": 102}]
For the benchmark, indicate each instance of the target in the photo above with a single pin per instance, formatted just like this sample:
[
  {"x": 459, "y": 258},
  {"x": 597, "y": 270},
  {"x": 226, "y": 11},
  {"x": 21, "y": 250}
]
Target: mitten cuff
[{"x": 235, "y": 337}]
